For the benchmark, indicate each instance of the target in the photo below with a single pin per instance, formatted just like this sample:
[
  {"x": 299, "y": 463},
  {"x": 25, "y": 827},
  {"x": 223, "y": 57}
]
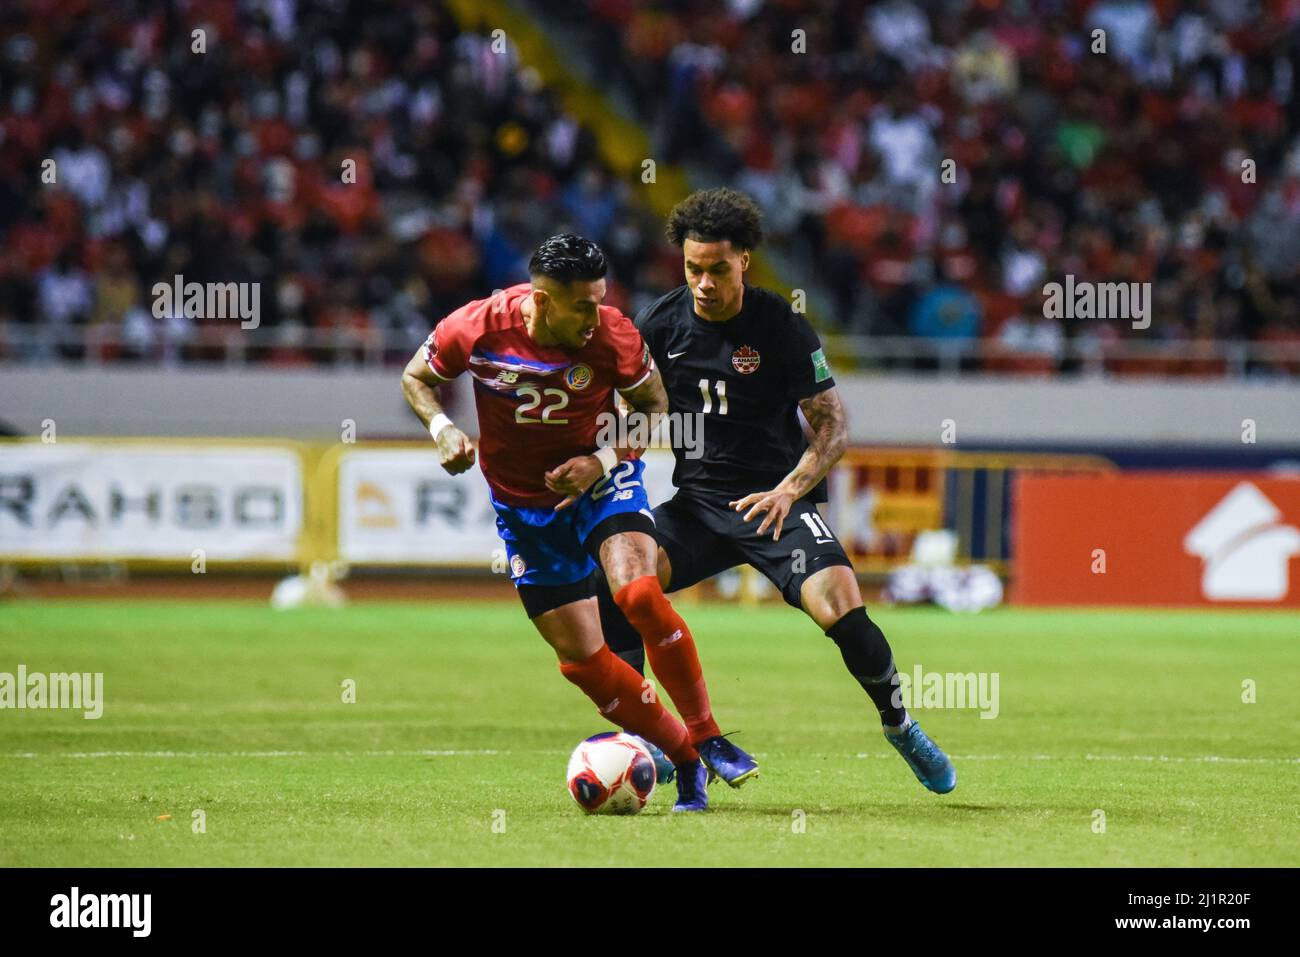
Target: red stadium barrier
[{"x": 1157, "y": 538}]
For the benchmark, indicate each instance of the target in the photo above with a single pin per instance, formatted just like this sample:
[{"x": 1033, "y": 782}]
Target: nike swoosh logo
[{"x": 674, "y": 355}]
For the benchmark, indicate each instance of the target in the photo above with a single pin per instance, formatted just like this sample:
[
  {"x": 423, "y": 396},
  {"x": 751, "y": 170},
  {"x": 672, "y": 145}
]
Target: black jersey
[{"x": 747, "y": 376}]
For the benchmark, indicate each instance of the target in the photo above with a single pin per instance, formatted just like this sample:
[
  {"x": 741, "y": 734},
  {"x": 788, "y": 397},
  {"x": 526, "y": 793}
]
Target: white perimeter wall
[{"x": 882, "y": 409}]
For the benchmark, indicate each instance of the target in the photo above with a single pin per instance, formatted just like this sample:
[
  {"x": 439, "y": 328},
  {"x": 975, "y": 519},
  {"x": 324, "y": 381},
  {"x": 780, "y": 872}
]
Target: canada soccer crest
[
  {"x": 578, "y": 377},
  {"x": 745, "y": 360}
]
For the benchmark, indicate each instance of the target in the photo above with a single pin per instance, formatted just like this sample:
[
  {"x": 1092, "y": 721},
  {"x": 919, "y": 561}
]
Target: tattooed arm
[
  {"x": 455, "y": 450},
  {"x": 825, "y": 414}
]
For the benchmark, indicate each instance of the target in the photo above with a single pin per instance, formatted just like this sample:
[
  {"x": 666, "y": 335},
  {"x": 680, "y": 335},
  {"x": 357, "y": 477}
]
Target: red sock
[
  {"x": 671, "y": 652},
  {"x": 616, "y": 688}
]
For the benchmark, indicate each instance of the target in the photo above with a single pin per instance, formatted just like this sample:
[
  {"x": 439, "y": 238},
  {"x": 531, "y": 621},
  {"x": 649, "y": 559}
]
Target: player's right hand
[{"x": 455, "y": 450}]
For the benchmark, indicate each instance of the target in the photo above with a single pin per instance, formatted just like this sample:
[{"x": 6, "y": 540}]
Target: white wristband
[
  {"x": 437, "y": 424},
  {"x": 608, "y": 458}
]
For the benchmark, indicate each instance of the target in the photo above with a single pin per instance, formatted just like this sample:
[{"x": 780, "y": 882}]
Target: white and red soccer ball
[{"x": 611, "y": 773}]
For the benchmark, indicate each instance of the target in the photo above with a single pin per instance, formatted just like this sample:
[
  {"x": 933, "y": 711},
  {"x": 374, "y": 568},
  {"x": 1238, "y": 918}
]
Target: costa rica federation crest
[
  {"x": 578, "y": 377},
  {"x": 745, "y": 360}
]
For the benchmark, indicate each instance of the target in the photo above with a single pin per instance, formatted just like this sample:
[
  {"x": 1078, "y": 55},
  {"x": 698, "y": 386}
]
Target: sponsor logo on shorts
[
  {"x": 745, "y": 360},
  {"x": 578, "y": 377},
  {"x": 517, "y": 566}
]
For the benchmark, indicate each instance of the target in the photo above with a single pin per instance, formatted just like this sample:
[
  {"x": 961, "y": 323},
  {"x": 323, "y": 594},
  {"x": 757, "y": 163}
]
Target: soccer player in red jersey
[{"x": 546, "y": 358}]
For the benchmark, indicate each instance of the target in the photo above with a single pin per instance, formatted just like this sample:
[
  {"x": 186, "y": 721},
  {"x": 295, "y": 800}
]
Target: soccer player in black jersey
[{"x": 742, "y": 357}]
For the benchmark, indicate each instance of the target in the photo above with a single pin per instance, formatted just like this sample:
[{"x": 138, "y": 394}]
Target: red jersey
[{"x": 537, "y": 405}]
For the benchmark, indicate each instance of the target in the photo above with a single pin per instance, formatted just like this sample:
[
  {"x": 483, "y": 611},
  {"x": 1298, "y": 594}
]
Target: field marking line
[
  {"x": 456, "y": 753},
  {"x": 1156, "y": 758},
  {"x": 427, "y": 753}
]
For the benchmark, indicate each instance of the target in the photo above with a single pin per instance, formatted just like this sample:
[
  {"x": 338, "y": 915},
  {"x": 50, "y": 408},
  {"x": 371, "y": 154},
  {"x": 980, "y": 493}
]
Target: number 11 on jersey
[{"x": 721, "y": 387}]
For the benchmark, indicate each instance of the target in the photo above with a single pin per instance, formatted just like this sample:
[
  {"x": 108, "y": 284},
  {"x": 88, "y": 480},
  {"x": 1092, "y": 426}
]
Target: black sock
[
  {"x": 622, "y": 638},
  {"x": 867, "y": 655}
]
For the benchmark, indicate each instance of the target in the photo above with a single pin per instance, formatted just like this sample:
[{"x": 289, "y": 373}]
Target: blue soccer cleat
[
  {"x": 664, "y": 770},
  {"x": 692, "y": 778},
  {"x": 930, "y": 765},
  {"x": 725, "y": 760}
]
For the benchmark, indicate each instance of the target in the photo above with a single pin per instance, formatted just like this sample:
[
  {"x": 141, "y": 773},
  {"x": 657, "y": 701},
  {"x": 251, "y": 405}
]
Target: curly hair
[
  {"x": 715, "y": 215},
  {"x": 567, "y": 257}
]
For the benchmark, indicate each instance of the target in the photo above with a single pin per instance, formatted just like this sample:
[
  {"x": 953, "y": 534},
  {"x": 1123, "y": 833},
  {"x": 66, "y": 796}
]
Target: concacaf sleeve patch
[
  {"x": 821, "y": 368},
  {"x": 645, "y": 355}
]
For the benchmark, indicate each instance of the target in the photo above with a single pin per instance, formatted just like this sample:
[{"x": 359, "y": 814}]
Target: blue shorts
[{"x": 545, "y": 547}]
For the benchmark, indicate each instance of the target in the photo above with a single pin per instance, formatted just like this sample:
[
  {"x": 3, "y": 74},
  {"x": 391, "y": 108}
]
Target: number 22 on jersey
[{"x": 535, "y": 399}]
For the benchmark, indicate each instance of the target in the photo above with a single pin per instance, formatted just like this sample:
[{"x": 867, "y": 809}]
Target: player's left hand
[
  {"x": 573, "y": 478},
  {"x": 775, "y": 503}
]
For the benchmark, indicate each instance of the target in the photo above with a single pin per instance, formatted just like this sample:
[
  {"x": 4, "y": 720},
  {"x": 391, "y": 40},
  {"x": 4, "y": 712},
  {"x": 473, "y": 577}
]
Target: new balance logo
[{"x": 509, "y": 378}]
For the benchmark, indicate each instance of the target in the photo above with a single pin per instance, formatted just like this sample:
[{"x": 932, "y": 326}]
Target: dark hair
[
  {"x": 715, "y": 215},
  {"x": 567, "y": 257}
]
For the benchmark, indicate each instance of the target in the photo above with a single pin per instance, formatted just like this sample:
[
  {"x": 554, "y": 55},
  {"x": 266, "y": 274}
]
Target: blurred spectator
[
  {"x": 371, "y": 166},
  {"x": 988, "y": 138}
]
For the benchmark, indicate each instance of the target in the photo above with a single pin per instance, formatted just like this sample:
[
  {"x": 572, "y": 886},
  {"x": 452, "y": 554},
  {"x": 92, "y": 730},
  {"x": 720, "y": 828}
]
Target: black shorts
[{"x": 702, "y": 537}]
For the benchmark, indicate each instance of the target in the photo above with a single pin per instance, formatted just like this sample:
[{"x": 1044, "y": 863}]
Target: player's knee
[
  {"x": 620, "y": 576},
  {"x": 573, "y": 649},
  {"x": 640, "y": 598},
  {"x": 829, "y": 594}
]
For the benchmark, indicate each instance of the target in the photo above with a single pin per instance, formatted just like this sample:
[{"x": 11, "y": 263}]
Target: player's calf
[
  {"x": 628, "y": 559},
  {"x": 869, "y": 659},
  {"x": 615, "y": 688},
  {"x": 670, "y": 649},
  {"x": 566, "y": 617}
]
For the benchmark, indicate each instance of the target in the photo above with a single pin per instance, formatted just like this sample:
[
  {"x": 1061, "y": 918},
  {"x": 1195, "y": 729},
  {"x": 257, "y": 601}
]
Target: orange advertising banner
[{"x": 1222, "y": 539}]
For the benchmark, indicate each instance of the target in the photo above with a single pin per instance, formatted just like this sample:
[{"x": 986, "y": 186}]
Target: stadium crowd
[
  {"x": 236, "y": 164},
  {"x": 1172, "y": 157}
]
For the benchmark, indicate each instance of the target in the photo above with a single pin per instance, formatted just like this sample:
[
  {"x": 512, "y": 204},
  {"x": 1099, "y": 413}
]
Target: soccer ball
[{"x": 611, "y": 773}]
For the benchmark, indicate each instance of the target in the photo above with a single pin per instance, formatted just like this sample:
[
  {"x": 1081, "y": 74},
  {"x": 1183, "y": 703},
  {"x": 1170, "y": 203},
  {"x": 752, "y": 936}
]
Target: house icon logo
[{"x": 1244, "y": 547}]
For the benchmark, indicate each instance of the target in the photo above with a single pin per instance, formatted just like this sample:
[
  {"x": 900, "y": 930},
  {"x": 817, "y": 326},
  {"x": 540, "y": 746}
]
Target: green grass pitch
[{"x": 454, "y": 750}]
